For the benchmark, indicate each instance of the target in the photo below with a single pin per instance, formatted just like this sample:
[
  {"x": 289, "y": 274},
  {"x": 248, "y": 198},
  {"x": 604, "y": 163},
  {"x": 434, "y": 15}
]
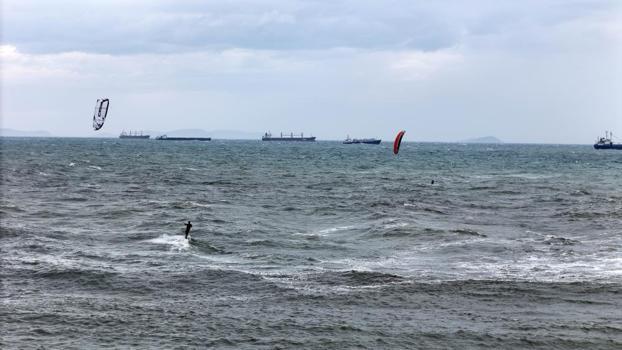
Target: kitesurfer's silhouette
[
  {"x": 432, "y": 183},
  {"x": 188, "y": 227}
]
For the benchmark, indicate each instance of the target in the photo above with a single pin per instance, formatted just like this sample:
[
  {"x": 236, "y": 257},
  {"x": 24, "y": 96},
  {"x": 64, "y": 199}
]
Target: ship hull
[
  {"x": 299, "y": 139},
  {"x": 142, "y": 137},
  {"x": 184, "y": 138},
  {"x": 608, "y": 146},
  {"x": 368, "y": 142}
]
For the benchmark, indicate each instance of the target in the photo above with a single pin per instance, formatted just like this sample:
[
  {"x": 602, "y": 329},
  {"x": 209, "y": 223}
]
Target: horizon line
[{"x": 318, "y": 140}]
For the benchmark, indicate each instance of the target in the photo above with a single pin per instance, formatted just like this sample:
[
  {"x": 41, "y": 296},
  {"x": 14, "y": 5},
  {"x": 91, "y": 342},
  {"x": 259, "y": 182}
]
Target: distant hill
[
  {"x": 187, "y": 133},
  {"x": 103, "y": 135},
  {"x": 485, "y": 139},
  {"x": 235, "y": 135},
  {"x": 21, "y": 133}
]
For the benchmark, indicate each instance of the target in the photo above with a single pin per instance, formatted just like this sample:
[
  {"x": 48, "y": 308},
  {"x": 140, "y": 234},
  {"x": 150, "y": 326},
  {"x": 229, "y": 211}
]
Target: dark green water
[{"x": 314, "y": 245}]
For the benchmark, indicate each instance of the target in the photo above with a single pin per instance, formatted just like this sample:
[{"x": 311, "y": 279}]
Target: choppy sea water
[{"x": 315, "y": 245}]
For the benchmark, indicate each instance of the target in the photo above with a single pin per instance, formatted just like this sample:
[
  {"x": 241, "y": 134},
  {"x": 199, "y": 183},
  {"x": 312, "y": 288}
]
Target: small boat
[
  {"x": 349, "y": 141},
  {"x": 607, "y": 142},
  {"x": 166, "y": 138}
]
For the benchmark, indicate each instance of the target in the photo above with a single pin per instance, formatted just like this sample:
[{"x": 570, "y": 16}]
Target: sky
[{"x": 534, "y": 71}]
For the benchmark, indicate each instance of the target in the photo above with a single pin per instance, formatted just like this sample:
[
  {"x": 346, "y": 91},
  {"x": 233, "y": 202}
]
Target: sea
[{"x": 314, "y": 245}]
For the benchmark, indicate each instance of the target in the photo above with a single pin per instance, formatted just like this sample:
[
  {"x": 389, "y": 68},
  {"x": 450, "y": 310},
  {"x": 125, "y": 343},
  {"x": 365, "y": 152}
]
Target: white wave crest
[
  {"x": 179, "y": 243},
  {"x": 335, "y": 229}
]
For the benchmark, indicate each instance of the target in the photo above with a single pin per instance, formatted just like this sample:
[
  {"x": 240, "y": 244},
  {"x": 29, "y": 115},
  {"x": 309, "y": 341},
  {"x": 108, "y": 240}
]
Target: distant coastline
[
  {"x": 243, "y": 135},
  {"x": 21, "y": 133},
  {"x": 485, "y": 139}
]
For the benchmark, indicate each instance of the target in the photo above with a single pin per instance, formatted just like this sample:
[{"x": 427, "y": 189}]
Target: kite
[
  {"x": 398, "y": 141},
  {"x": 101, "y": 110}
]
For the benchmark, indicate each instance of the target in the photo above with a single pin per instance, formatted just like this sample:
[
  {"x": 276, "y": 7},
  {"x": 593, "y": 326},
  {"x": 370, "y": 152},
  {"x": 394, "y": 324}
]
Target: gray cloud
[
  {"x": 532, "y": 71},
  {"x": 118, "y": 27}
]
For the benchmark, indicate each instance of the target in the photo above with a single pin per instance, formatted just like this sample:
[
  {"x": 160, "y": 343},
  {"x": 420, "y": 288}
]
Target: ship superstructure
[
  {"x": 133, "y": 135},
  {"x": 607, "y": 142}
]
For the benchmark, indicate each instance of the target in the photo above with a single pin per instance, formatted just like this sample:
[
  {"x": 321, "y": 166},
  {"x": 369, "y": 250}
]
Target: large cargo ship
[
  {"x": 291, "y": 137},
  {"x": 133, "y": 135},
  {"x": 349, "y": 141},
  {"x": 167, "y": 138},
  {"x": 607, "y": 142}
]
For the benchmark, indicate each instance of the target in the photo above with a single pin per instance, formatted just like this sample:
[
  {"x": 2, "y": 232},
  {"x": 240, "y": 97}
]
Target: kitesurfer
[
  {"x": 432, "y": 182},
  {"x": 188, "y": 227}
]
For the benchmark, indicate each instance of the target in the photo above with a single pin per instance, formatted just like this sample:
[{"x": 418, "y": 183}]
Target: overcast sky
[{"x": 524, "y": 71}]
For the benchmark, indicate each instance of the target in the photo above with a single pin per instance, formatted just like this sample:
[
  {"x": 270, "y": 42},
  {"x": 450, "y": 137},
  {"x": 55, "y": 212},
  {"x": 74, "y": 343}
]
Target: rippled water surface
[{"x": 314, "y": 245}]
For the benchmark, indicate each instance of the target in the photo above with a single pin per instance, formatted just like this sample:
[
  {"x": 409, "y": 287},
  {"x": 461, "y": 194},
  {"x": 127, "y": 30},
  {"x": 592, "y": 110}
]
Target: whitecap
[
  {"x": 335, "y": 229},
  {"x": 396, "y": 225},
  {"x": 201, "y": 205},
  {"x": 325, "y": 232},
  {"x": 532, "y": 176},
  {"x": 177, "y": 242},
  {"x": 191, "y": 204}
]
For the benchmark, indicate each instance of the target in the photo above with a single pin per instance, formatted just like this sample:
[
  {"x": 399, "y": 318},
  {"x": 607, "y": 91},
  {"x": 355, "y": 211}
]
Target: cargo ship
[
  {"x": 167, "y": 138},
  {"x": 291, "y": 137},
  {"x": 133, "y": 135},
  {"x": 349, "y": 141},
  {"x": 607, "y": 142}
]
